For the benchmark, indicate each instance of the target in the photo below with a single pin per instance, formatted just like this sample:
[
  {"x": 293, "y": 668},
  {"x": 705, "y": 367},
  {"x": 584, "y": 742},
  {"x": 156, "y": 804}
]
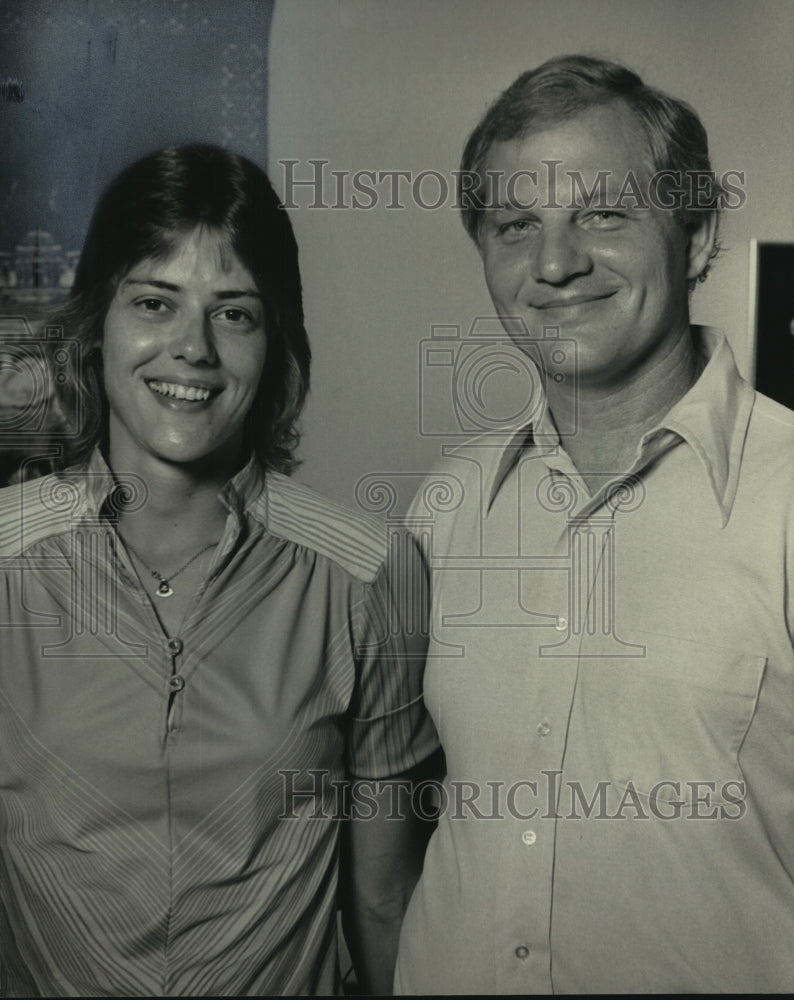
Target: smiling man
[{"x": 611, "y": 669}]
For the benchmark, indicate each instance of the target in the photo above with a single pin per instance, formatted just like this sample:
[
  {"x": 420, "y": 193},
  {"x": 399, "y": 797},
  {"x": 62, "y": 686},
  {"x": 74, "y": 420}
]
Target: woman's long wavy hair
[{"x": 142, "y": 214}]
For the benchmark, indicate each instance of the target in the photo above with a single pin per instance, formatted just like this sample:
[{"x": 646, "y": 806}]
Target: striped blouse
[{"x": 169, "y": 803}]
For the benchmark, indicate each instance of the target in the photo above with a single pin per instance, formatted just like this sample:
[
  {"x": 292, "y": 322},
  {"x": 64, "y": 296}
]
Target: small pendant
[{"x": 164, "y": 590}]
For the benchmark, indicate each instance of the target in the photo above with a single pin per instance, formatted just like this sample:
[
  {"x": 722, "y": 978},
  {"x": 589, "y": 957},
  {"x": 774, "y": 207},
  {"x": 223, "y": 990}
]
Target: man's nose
[
  {"x": 559, "y": 253},
  {"x": 193, "y": 341}
]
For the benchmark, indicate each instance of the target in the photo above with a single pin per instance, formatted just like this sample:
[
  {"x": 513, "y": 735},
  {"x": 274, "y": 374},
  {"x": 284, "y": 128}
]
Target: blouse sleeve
[{"x": 390, "y": 728}]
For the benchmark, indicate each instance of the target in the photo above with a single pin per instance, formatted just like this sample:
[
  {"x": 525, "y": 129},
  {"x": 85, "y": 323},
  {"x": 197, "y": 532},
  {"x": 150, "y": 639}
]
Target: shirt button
[
  {"x": 562, "y": 623},
  {"x": 522, "y": 952},
  {"x": 176, "y": 683},
  {"x": 544, "y": 728},
  {"x": 529, "y": 837},
  {"x": 175, "y": 645}
]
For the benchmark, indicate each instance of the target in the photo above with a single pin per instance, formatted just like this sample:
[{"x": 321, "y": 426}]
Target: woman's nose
[{"x": 194, "y": 341}]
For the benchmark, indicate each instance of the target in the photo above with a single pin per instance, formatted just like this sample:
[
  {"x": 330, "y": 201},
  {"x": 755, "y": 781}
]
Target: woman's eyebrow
[
  {"x": 153, "y": 282},
  {"x": 235, "y": 293},
  {"x": 231, "y": 293}
]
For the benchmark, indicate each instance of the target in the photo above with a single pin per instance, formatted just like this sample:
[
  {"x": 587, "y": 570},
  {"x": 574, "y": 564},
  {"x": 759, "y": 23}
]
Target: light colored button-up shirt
[
  {"x": 169, "y": 803},
  {"x": 612, "y": 679}
]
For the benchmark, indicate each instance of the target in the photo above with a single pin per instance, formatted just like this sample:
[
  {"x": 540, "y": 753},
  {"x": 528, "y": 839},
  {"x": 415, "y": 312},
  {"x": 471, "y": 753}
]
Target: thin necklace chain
[{"x": 164, "y": 588}]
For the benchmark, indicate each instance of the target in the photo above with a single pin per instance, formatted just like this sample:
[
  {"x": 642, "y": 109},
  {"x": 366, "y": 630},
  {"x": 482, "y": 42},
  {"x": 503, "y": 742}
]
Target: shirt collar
[
  {"x": 712, "y": 418},
  {"x": 101, "y": 486},
  {"x": 539, "y": 434},
  {"x": 107, "y": 493},
  {"x": 244, "y": 487}
]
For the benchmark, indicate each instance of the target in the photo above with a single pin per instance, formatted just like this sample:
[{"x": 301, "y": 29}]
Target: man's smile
[{"x": 568, "y": 301}]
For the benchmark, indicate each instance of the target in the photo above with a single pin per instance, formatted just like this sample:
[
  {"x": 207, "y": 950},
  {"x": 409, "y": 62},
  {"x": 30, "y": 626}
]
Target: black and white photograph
[{"x": 396, "y": 497}]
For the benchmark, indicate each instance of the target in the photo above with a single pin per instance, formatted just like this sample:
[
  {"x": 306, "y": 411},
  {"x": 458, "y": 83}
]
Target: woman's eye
[
  {"x": 151, "y": 305},
  {"x": 234, "y": 316}
]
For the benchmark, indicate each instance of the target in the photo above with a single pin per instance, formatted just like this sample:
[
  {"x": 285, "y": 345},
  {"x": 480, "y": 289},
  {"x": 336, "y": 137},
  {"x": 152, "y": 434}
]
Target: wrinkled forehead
[
  {"x": 614, "y": 121},
  {"x": 593, "y": 156}
]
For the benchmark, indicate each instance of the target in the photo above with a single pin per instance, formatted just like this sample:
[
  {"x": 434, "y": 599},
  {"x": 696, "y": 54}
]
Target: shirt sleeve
[{"x": 390, "y": 728}]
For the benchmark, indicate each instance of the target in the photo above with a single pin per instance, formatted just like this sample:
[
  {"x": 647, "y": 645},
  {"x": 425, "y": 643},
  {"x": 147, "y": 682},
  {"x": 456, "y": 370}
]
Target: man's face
[{"x": 614, "y": 280}]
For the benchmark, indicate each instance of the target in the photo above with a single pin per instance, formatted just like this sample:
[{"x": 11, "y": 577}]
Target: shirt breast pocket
[{"x": 672, "y": 722}]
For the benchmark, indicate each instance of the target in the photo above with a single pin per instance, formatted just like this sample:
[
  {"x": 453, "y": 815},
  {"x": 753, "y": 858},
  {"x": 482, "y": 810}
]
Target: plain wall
[{"x": 379, "y": 85}]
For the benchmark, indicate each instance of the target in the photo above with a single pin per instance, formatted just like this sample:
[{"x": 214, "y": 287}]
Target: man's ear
[{"x": 701, "y": 244}]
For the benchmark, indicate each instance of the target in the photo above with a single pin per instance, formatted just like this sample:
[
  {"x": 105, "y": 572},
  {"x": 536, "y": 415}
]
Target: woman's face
[{"x": 183, "y": 350}]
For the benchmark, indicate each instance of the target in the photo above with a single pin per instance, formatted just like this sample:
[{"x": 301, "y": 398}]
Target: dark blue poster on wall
[{"x": 87, "y": 86}]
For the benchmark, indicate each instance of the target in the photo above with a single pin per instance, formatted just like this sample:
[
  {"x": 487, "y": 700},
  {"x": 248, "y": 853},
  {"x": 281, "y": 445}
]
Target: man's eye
[
  {"x": 515, "y": 229},
  {"x": 606, "y": 218}
]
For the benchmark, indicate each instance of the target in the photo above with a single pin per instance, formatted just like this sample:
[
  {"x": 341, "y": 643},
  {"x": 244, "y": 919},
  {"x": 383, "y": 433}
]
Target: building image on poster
[{"x": 86, "y": 87}]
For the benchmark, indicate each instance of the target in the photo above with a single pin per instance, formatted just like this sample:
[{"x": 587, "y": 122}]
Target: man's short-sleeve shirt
[{"x": 612, "y": 679}]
